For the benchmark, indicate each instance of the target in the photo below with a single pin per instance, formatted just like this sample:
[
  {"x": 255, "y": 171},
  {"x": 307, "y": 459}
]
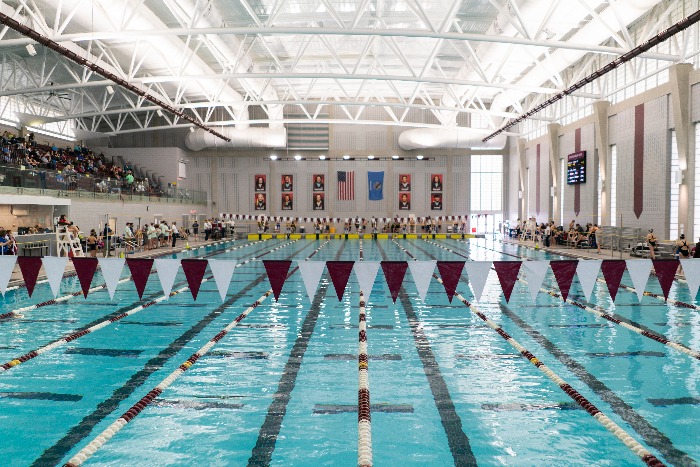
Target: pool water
[{"x": 281, "y": 387}]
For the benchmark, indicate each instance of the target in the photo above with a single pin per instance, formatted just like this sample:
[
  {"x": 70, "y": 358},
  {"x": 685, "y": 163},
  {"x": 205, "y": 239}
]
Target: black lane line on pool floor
[
  {"x": 73, "y": 436},
  {"x": 457, "y": 439},
  {"x": 270, "y": 429},
  {"x": 651, "y": 435}
]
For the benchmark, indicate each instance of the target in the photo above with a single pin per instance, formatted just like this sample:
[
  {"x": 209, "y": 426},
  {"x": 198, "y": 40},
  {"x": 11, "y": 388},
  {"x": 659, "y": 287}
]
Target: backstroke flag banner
[
  {"x": 346, "y": 186},
  {"x": 375, "y": 182}
]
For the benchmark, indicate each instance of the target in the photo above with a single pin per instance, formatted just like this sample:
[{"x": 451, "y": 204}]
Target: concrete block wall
[{"x": 539, "y": 173}]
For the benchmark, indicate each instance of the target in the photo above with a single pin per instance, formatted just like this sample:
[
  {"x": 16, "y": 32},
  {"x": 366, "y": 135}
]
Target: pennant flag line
[
  {"x": 54, "y": 267},
  {"x": 140, "y": 270},
  {"x": 194, "y": 270},
  {"x": 111, "y": 272},
  {"x": 222, "y": 269},
  {"x": 449, "y": 273},
  {"x": 7, "y": 265},
  {"x": 639, "y": 270},
  {"x": 612, "y": 271},
  {"x": 30, "y": 271},
  {"x": 534, "y": 274},
  {"x": 340, "y": 273},
  {"x": 587, "y": 273},
  {"x": 366, "y": 273},
  {"x": 422, "y": 273},
  {"x": 564, "y": 272},
  {"x": 691, "y": 269},
  {"x": 665, "y": 272},
  {"x": 394, "y": 272},
  {"x": 85, "y": 269},
  {"x": 311, "y": 272},
  {"x": 507, "y": 272},
  {"x": 478, "y": 273},
  {"x": 276, "y": 273},
  {"x": 167, "y": 270}
]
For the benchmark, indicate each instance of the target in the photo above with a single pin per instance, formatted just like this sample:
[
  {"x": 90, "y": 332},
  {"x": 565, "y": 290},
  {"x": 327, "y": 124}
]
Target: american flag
[{"x": 346, "y": 186}]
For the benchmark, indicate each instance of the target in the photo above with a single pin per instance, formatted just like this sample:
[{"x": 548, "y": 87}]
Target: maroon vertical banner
[
  {"x": 507, "y": 272},
  {"x": 613, "y": 269},
  {"x": 340, "y": 273},
  {"x": 665, "y": 270},
  {"x": 564, "y": 272},
  {"x": 450, "y": 271},
  {"x": 537, "y": 183},
  {"x": 577, "y": 187},
  {"x": 85, "y": 270},
  {"x": 194, "y": 272},
  {"x": 638, "y": 165},
  {"x": 29, "y": 265},
  {"x": 394, "y": 272},
  {"x": 140, "y": 270},
  {"x": 276, "y": 274}
]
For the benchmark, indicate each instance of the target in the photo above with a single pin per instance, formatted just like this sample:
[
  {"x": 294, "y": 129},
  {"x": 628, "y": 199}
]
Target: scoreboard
[{"x": 576, "y": 168}]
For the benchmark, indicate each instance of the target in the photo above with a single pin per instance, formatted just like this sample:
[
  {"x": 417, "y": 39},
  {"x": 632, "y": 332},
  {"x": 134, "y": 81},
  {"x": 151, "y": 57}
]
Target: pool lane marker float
[
  {"x": 603, "y": 313},
  {"x": 637, "y": 448},
  {"x": 364, "y": 419},
  {"x": 138, "y": 407},
  {"x": 361, "y": 256},
  {"x": 76, "y": 335},
  {"x": 18, "y": 313},
  {"x": 73, "y": 274}
]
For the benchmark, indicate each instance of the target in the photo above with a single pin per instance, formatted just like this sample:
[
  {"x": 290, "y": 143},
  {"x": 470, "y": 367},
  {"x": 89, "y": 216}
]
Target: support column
[
  {"x": 214, "y": 186},
  {"x": 522, "y": 195},
  {"x": 553, "y": 137},
  {"x": 678, "y": 77},
  {"x": 600, "y": 115}
]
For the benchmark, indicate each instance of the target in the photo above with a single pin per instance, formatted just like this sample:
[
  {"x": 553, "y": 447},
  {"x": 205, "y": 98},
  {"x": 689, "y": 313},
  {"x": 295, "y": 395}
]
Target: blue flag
[{"x": 375, "y": 181}]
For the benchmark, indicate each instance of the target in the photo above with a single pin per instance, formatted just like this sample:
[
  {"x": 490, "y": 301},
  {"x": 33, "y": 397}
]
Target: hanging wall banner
[
  {"x": 639, "y": 270},
  {"x": 665, "y": 270},
  {"x": 194, "y": 270},
  {"x": 222, "y": 269},
  {"x": 507, "y": 272},
  {"x": 276, "y": 273},
  {"x": 449, "y": 273},
  {"x": 140, "y": 270},
  {"x": 375, "y": 182},
  {"x": 167, "y": 269},
  {"x": 366, "y": 273},
  {"x": 7, "y": 265},
  {"x": 691, "y": 269},
  {"x": 478, "y": 273},
  {"x": 85, "y": 269},
  {"x": 54, "y": 267},
  {"x": 564, "y": 272},
  {"x": 534, "y": 274},
  {"x": 311, "y": 272},
  {"x": 613, "y": 269},
  {"x": 587, "y": 273},
  {"x": 422, "y": 273},
  {"x": 29, "y": 265},
  {"x": 339, "y": 272},
  {"x": 394, "y": 272},
  {"x": 111, "y": 272}
]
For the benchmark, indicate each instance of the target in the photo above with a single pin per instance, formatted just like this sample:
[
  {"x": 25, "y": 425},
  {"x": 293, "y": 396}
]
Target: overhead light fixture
[
  {"x": 370, "y": 157},
  {"x": 394, "y": 157},
  {"x": 110, "y": 90},
  {"x": 322, "y": 157},
  {"x": 159, "y": 112},
  {"x": 273, "y": 157},
  {"x": 419, "y": 157},
  {"x": 191, "y": 129},
  {"x": 346, "y": 157},
  {"x": 297, "y": 157},
  {"x": 31, "y": 50}
]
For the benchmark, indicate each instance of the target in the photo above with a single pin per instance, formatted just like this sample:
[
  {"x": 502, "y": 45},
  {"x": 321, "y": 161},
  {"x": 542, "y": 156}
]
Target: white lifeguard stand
[{"x": 67, "y": 244}]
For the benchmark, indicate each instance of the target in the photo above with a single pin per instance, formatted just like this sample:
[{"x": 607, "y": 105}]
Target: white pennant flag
[
  {"x": 366, "y": 272},
  {"x": 7, "y": 264},
  {"x": 311, "y": 272},
  {"x": 587, "y": 272},
  {"x": 422, "y": 272},
  {"x": 478, "y": 272},
  {"x": 54, "y": 267},
  {"x": 167, "y": 270},
  {"x": 534, "y": 273},
  {"x": 639, "y": 270},
  {"x": 111, "y": 271},
  {"x": 691, "y": 270},
  {"x": 222, "y": 269}
]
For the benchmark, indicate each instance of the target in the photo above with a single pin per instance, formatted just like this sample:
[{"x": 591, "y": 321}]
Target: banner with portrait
[
  {"x": 319, "y": 182},
  {"x": 318, "y": 201},
  {"x": 260, "y": 183},
  {"x": 405, "y": 201},
  {"x": 436, "y": 201},
  {"x": 404, "y": 182},
  {"x": 436, "y": 182},
  {"x": 287, "y": 182},
  {"x": 260, "y": 201},
  {"x": 287, "y": 201}
]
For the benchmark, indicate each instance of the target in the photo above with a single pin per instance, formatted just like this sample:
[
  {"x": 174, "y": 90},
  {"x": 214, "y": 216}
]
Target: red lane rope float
[
  {"x": 137, "y": 408},
  {"x": 364, "y": 419},
  {"x": 72, "y": 273},
  {"x": 76, "y": 335},
  {"x": 361, "y": 257},
  {"x": 607, "y": 315},
  {"x": 18, "y": 313},
  {"x": 634, "y": 445}
]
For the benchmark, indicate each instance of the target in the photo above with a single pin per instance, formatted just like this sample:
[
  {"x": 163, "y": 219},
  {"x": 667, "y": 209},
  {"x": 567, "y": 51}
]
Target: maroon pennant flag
[
  {"x": 564, "y": 272},
  {"x": 394, "y": 272},
  {"x": 665, "y": 271},
  {"x": 507, "y": 272},
  {"x": 140, "y": 270},
  {"x": 449, "y": 273},
  {"x": 29, "y": 265},
  {"x": 613, "y": 269},
  {"x": 85, "y": 270},
  {"x": 276, "y": 274},
  {"x": 194, "y": 272},
  {"x": 340, "y": 273}
]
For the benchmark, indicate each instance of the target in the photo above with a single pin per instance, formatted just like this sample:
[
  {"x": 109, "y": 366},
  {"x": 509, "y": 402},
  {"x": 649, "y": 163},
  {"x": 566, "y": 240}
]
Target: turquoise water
[{"x": 281, "y": 388}]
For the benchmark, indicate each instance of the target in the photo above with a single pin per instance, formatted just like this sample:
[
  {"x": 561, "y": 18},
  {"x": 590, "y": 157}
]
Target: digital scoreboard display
[{"x": 576, "y": 168}]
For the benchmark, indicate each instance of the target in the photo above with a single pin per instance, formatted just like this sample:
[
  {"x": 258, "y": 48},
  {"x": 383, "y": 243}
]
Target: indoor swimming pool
[{"x": 281, "y": 387}]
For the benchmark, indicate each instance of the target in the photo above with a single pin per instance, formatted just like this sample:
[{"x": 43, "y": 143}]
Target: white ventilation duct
[
  {"x": 251, "y": 137},
  {"x": 449, "y": 138}
]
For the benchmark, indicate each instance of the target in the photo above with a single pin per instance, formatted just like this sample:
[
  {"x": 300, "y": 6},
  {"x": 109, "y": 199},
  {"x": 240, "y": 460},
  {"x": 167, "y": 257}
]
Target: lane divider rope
[
  {"x": 634, "y": 445},
  {"x": 137, "y": 408},
  {"x": 76, "y": 335},
  {"x": 364, "y": 419}
]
